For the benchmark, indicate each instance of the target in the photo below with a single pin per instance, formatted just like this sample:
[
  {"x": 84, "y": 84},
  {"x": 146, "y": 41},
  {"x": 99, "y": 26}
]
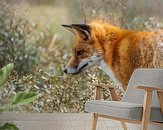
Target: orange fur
[{"x": 122, "y": 50}]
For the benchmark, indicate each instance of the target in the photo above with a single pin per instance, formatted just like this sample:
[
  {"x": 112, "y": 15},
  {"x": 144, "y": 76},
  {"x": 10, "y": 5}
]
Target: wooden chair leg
[
  {"x": 94, "y": 121},
  {"x": 160, "y": 98},
  {"x": 113, "y": 94},
  {"x": 146, "y": 109},
  {"x": 124, "y": 125}
]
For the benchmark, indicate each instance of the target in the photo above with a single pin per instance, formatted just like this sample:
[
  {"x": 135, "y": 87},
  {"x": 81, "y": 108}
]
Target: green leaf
[
  {"x": 8, "y": 126},
  {"x": 24, "y": 98},
  {"x": 4, "y": 72},
  {"x": 21, "y": 98}
]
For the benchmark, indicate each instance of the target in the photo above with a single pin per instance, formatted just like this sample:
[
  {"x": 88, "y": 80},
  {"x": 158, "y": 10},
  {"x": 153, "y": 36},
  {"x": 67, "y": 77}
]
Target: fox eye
[{"x": 80, "y": 52}]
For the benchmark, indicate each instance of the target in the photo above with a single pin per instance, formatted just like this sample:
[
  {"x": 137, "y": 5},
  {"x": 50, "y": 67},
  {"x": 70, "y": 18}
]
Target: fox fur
[{"x": 118, "y": 51}]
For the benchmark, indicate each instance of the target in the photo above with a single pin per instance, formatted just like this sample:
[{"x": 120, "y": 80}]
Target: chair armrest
[
  {"x": 98, "y": 90},
  {"x": 159, "y": 93},
  {"x": 148, "y": 101},
  {"x": 146, "y": 88}
]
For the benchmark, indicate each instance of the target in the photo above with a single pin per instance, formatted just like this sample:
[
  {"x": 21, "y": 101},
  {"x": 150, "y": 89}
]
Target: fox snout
[
  {"x": 70, "y": 71},
  {"x": 71, "y": 67},
  {"x": 65, "y": 70},
  {"x": 76, "y": 69}
]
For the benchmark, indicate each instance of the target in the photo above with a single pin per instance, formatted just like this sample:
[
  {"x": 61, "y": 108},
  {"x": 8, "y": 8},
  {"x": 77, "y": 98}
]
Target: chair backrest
[{"x": 144, "y": 77}]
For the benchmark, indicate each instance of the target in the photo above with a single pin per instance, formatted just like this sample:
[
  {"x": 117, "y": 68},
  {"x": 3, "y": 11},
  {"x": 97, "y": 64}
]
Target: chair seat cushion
[{"x": 131, "y": 111}]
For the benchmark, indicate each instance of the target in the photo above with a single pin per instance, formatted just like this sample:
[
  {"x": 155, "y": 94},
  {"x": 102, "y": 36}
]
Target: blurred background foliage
[{"x": 32, "y": 38}]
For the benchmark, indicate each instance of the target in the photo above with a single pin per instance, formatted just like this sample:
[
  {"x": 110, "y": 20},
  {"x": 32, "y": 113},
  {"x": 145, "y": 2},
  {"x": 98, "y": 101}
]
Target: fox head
[{"x": 85, "y": 52}]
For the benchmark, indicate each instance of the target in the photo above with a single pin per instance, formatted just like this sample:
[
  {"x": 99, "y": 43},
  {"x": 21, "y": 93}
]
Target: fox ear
[
  {"x": 82, "y": 30},
  {"x": 69, "y": 27}
]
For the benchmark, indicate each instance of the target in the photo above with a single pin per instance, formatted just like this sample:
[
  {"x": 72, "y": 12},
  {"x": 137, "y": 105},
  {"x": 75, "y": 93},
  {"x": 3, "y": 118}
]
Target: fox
[{"x": 118, "y": 52}]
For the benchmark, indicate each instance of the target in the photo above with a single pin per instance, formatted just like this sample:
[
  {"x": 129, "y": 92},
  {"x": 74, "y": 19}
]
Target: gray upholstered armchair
[{"x": 142, "y": 104}]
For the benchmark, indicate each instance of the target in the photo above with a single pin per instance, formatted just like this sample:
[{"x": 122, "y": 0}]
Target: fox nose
[{"x": 65, "y": 70}]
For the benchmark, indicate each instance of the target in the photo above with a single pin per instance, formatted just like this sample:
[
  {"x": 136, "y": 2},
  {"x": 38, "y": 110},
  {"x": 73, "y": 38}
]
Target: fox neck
[
  {"x": 109, "y": 38},
  {"x": 114, "y": 39},
  {"x": 104, "y": 66}
]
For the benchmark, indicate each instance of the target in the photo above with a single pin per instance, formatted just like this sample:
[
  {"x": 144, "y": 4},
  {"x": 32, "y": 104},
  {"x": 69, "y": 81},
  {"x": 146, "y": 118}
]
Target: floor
[{"x": 58, "y": 121}]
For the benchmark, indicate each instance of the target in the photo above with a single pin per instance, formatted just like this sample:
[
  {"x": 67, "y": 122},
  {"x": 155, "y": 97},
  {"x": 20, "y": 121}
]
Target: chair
[{"x": 138, "y": 106}]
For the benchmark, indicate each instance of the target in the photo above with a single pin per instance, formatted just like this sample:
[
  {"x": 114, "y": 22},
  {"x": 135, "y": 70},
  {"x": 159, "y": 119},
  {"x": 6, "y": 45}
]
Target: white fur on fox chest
[{"x": 109, "y": 72}]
